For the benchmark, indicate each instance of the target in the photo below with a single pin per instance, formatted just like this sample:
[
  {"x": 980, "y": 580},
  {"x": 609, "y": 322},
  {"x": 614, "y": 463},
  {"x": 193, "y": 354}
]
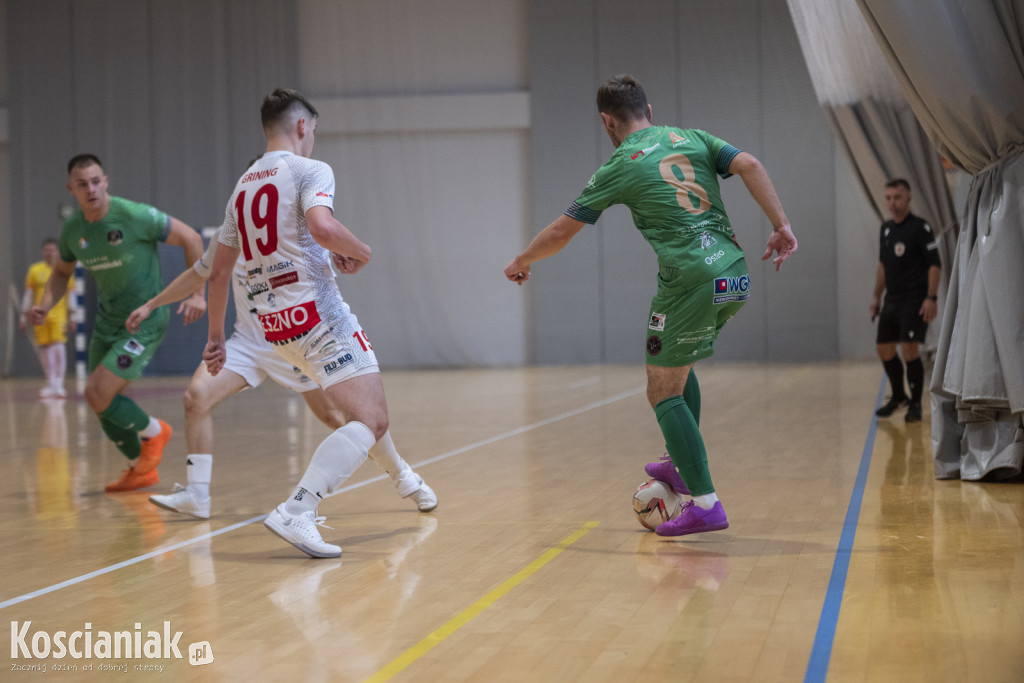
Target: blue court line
[
  {"x": 821, "y": 652},
  {"x": 252, "y": 520}
]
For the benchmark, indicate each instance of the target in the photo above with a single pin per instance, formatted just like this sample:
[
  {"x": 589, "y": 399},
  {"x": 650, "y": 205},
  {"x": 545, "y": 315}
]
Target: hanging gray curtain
[
  {"x": 872, "y": 120},
  {"x": 960, "y": 64}
]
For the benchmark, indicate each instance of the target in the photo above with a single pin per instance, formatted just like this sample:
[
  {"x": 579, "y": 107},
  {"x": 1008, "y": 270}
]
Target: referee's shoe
[{"x": 893, "y": 404}]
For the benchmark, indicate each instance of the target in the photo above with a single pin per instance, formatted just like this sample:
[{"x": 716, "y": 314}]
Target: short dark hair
[
  {"x": 283, "y": 100},
  {"x": 51, "y": 240},
  {"x": 83, "y": 160},
  {"x": 898, "y": 182},
  {"x": 623, "y": 97}
]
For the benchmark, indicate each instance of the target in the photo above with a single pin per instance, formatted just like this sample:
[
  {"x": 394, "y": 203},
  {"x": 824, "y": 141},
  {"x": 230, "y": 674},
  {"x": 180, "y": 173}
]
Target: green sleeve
[
  {"x": 603, "y": 190},
  {"x": 722, "y": 153}
]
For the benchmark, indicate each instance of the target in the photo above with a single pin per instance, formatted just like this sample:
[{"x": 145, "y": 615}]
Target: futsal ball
[{"x": 655, "y": 502}]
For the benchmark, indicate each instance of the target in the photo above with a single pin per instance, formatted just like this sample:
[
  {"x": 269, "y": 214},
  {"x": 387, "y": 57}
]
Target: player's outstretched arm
[
  {"x": 56, "y": 287},
  {"x": 782, "y": 240},
  {"x": 548, "y": 242},
  {"x": 220, "y": 281},
  {"x": 182, "y": 235},
  {"x": 331, "y": 234},
  {"x": 187, "y": 284}
]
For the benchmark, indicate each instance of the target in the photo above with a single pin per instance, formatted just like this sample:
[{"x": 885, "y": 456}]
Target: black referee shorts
[{"x": 901, "y": 322}]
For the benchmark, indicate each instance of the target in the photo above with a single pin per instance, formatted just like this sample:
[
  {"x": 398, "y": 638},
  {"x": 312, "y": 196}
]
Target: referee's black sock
[
  {"x": 894, "y": 369},
  {"x": 915, "y": 378}
]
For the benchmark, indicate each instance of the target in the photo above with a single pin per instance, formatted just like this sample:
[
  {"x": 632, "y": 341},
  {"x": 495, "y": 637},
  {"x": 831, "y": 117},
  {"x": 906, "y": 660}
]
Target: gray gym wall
[{"x": 457, "y": 129}]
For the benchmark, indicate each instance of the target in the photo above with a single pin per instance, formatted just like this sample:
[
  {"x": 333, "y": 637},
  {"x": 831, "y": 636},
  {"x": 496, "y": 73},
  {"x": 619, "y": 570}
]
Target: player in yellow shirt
[{"x": 52, "y": 336}]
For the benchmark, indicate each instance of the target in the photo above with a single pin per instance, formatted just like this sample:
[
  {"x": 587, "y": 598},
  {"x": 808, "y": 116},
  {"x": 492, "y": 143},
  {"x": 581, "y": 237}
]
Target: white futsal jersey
[{"x": 289, "y": 274}]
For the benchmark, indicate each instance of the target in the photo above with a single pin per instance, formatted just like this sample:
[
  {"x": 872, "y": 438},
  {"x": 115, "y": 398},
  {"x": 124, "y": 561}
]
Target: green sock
[
  {"x": 126, "y": 440},
  {"x": 684, "y": 444},
  {"x": 122, "y": 421},
  {"x": 691, "y": 394}
]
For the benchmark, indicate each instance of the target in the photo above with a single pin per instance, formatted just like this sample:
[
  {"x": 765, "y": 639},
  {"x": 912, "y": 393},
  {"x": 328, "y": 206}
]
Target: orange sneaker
[
  {"x": 153, "y": 449},
  {"x": 131, "y": 479}
]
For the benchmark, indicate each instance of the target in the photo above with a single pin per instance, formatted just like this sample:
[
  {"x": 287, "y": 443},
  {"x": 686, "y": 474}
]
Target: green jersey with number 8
[{"x": 666, "y": 177}]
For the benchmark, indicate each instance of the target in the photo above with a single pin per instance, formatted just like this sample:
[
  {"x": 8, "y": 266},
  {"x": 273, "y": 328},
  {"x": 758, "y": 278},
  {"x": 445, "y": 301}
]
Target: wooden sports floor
[{"x": 845, "y": 559}]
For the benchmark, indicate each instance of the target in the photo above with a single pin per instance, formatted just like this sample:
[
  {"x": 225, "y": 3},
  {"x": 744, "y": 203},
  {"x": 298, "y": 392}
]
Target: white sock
[
  {"x": 334, "y": 461},
  {"x": 705, "y": 502},
  {"x": 152, "y": 429},
  {"x": 199, "y": 470},
  {"x": 58, "y": 365},
  {"x": 387, "y": 458}
]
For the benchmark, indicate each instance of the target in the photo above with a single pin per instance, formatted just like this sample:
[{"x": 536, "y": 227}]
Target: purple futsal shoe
[
  {"x": 693, "y": 519},
  {"x": 665, "y": 471}
]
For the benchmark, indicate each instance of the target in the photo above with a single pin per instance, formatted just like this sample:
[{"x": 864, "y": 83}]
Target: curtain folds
[{"x": 960, "y": 64}]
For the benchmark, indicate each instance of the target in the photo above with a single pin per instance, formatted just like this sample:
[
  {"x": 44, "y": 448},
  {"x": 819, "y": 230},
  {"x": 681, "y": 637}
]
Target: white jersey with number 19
[{"x": 290, "y": 276}]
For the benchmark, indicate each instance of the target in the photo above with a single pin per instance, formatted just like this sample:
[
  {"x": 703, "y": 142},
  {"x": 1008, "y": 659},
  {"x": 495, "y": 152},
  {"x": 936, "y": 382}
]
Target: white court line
[{"x": 351, "y": 487}]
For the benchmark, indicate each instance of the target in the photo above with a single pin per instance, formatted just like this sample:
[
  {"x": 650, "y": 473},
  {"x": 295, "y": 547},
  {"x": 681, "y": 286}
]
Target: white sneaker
[
  {"x": 425, "y": 498},
  {"x": 300, "y": 531},
  {"x": 184, "y": 500}
]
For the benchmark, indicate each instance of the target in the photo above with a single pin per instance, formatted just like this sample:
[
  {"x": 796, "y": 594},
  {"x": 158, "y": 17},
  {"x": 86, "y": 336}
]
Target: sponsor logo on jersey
[
  {"x": 83, "y": 243},
  {"x": 657, "y": 322},
  {"x": 707, "y": 240},
  {"x": 676, "y": 140},
  {"x": 646, "y": 150},
  {"x": 282, "y": 280},
  {"x": 115, "y": 237},
  {"x": 259, "y": 175},
  {"x": 694, "y": 336},
  {"x": 899, "y": 249},
  {"x": 654, "y": 345},
  {"x": 731, "y": 289},
  {"x": 258, "y": 270},
  {"x": 290, "y": 323},
  {"x": 325, "y": 195},
  {"x": 258, "y": 288},
  {"x": 133, "y": 347},
  {"x": 332, "y": 366},
  {"x": 124, "y": 361},
  {"x": 590, "y": 183},
  {"x": 714, "y": 257},
  {"x": 102, "y": 263},
  {"x": 272, "y": 300},
  {"x": 278, "y": 267}
]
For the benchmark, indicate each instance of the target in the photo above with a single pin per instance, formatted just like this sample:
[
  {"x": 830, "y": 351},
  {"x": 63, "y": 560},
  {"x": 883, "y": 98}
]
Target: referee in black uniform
[{"x": 908, "y": 273}]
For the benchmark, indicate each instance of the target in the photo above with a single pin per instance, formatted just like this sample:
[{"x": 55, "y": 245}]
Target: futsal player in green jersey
[
  {"x": 116, "y": 240},
  {"x": 667, "y": 178}
]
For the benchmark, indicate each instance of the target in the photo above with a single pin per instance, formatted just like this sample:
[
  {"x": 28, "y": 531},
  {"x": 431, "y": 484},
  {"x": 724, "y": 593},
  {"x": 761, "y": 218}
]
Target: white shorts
[
  {"x": 331, "y": 353},
  {"x": 255, "y": 360}
]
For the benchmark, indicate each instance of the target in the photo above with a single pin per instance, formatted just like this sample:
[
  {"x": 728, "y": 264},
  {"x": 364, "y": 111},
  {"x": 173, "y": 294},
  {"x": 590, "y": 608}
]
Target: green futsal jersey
[
  {"x": 120, "y": 250},
  {"x": 666, "y": 177}
]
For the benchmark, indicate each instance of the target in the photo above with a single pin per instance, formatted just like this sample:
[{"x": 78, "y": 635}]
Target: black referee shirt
[{"x": 907, "y": 250}]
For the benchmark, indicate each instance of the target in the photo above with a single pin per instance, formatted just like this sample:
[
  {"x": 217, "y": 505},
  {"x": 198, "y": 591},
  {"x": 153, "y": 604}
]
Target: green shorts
[
  {"x": 123, "y": 353},
  {"x": 684, "y": 322}
]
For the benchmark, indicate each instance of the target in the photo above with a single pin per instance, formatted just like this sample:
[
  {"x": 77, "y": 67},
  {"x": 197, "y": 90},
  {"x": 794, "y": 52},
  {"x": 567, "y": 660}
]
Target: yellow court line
[{"x": 424, "y": 646}]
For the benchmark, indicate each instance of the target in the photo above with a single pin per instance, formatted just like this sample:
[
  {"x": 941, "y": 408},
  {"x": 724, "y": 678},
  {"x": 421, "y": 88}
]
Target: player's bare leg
[
  {"x": 204, "y": 392},
  {"x": 140, "y": 437},
  {"x": 361, "y": 400},
  {"x": 703, "y": 512},
  {"x": 408, "y": 483}
]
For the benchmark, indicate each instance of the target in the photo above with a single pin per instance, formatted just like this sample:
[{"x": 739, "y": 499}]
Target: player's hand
[
  {"x": 929, "y": 310},
  {"x": 136, "y": 318},
  {"x": 72, "y": 328},
  {"x": 22, "y": 324},
  {"x": 873, "y": 307},
  {"x": 517, "y": 273},
  {"x": 346, "y": 264},
  {"x": 783, "y": 242},
  {"x": 192, "y": 308},
  {"x": 215, "y": 355},
  {"x": 37, "y": 315}
]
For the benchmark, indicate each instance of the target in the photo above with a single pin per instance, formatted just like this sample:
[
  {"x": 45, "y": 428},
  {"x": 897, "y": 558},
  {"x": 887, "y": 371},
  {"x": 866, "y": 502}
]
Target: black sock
[
  {"x": 915, "y": 378},
  {"x": 894, "y": 369}
]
